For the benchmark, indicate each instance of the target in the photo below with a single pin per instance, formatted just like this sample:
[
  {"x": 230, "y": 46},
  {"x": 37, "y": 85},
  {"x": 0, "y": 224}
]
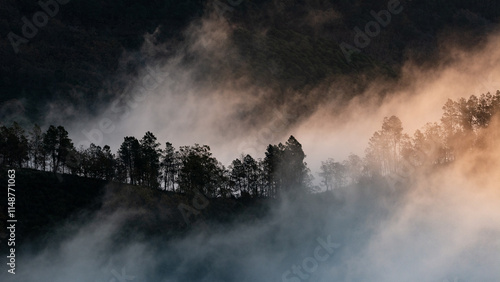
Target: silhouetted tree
[
  {"x": 121, "y": 171},
  {"x": 252, "y": 172},
  {"x": 97, "y": 162},
  {"x": 37, "y": 153},
  {"x": 93, "y": 158},
  {"x": 326, "y": 173},
  {"x": 74, "y": 161},
  {"x": 129, "y": 155},
  {"x": 200, "y": 171},
  {"x": 58, "y": 145},
  {"x": 170, "y": 166},
  {"x": 285, "y": 168},
  {"x": 354, "y": 168},
  {"x": 50, "y": 145},
  {"x": 418, "y": 156},
  {"x": 244, "y": 176},
  {"x": 435, "y": 144},
  {"x": 64, "y": 146},
  {"x": 296, "y": 171},
  {"x": 273, "y": 170},
  {"x": 333, "y": 174},
  {"x": 384, "y": 149},
  {"x": 108, "y": 163},
  {"x": 150, "y": 160},
  {"x": 238, "y": 177},
  {"x": 13, "y": 145}
]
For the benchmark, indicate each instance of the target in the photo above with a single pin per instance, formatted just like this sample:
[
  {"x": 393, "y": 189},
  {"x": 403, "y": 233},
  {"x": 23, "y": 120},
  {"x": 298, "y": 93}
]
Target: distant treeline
[
  {"x": 283, "y": 170},
  {"x": 392, "y": 153}
]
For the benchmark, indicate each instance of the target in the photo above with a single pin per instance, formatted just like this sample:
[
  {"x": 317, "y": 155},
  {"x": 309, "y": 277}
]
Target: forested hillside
[
  {"x": 147, "y": 194},
  {"x": 193, "y": 169},
  {"x": 238, "y": 140}
]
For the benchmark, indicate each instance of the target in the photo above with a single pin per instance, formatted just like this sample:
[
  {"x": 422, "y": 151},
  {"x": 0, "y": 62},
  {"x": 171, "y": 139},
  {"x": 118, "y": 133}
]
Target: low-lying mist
[{"x": 436, "y": 225}]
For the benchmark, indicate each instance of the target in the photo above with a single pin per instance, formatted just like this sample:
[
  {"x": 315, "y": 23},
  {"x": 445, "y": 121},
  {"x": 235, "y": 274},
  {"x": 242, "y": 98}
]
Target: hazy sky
[{"x": 233, "y": 116}]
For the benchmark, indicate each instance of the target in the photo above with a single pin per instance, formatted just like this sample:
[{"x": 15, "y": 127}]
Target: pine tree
[
  {"x": 150, "y": 166},
  {"x": 129, "y": 156},
  {"x": 169, "y": 166}
]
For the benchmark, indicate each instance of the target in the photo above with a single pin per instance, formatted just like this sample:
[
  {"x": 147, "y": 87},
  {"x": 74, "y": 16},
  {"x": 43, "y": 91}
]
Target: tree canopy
[{"x": 464, "y": 126}]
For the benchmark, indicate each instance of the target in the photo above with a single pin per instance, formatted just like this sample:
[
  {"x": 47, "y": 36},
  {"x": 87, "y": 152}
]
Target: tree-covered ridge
[
  {"x": 143, "y": 162},
  {"x": 283, "y": 170},
  {"x": 464, "y": 127}
]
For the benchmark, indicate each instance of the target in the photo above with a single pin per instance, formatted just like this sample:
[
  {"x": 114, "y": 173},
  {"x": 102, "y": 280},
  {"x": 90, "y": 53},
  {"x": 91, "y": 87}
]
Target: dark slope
[{"x": 50, "y": 207}]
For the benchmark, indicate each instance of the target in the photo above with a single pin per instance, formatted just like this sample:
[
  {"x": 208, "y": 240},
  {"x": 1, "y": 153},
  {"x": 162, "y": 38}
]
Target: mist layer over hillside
[
  {"x": 439, "y": 225},
  {"x": 431, "y": 223}
]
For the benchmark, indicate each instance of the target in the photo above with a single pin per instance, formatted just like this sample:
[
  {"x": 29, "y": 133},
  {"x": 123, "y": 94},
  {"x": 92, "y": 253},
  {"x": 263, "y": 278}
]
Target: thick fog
[
  {"x": 201, "y": 92},
  {"x": 431, "y": 226}
]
